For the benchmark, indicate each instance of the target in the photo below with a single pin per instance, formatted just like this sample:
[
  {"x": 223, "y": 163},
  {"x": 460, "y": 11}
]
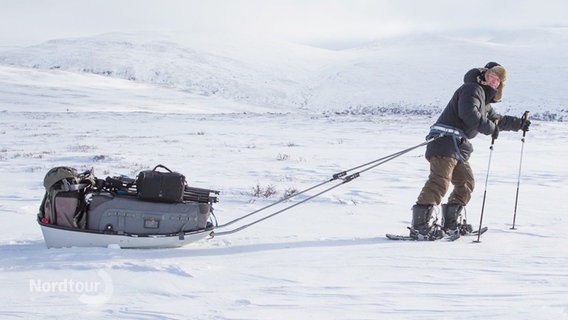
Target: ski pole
[
  {"x": 485, "y": 191},
  {"x": 525, "y": 117}
]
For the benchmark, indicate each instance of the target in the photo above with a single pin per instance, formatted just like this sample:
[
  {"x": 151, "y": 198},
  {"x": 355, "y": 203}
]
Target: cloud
[{"x": 301, "y": 20}]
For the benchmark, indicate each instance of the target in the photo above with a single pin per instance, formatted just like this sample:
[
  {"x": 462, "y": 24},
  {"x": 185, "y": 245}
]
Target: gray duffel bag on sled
[{"x": 128, "y": 215}]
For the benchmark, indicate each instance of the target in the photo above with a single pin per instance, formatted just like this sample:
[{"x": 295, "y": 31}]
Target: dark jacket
[{"x": 470, "y": 110}]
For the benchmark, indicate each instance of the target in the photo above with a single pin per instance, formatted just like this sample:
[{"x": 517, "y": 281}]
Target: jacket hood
[
  {"x": 472, "y": 75},
  {"x": 476, "y": 76}
]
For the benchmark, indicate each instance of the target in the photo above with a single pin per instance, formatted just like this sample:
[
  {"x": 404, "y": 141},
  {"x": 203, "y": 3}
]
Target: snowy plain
[{"x": 253, "y": 120}]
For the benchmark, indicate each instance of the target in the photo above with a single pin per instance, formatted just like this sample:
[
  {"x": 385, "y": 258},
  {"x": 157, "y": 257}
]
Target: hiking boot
[
  {"x": 422, "y": 228},
  {"x": 450, "y": 218}
]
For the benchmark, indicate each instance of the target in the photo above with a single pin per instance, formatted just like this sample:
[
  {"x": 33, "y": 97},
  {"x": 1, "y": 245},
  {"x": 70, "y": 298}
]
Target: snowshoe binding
[
  {"x": 424, "y": 226},
  {"x": 454, "y": 223}
]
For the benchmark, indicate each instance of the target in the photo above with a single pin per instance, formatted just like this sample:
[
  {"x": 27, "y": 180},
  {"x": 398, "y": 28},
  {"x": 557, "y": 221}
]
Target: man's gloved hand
[
  {"x": 525, "y": 123},
  {"x": 495, "y": 133}
]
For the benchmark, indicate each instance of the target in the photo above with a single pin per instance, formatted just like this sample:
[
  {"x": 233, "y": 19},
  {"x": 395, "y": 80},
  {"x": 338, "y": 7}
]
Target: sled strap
[
  {"x": 446, "y": 130},
  {"x": 213, "y": 233},
  {"x": 67, "y": 186},
  {"x": 343, "y": 176}
]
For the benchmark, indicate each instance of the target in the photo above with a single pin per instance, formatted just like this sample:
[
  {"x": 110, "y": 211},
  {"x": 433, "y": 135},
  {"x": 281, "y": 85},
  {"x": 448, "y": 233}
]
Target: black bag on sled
[
  {"x": 65, "y": 203},
  {"x": 128, "y": 215},
  {"x": 152, "y": 185}
]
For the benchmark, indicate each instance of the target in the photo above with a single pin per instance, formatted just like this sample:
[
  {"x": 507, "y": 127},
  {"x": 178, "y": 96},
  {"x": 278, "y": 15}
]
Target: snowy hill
[
  {"x": 424, "y": 70},
  {"x": 418, "y": 72},
  {"x": 235, "y": 115},
  {"x": 147, "y": 58}
]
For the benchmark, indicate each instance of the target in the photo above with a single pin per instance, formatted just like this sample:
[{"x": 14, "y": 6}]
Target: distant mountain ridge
[
  {"x": 408, "y": 74},
  {"x": 158, "y": 62}
]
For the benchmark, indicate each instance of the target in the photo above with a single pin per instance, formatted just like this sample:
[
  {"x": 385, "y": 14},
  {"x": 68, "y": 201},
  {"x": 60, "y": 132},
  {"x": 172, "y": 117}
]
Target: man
[{"x": 468, "y": 113}]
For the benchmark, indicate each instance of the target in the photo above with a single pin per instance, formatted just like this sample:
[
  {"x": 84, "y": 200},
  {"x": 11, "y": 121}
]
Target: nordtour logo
[{"x": 89, "y": 291}]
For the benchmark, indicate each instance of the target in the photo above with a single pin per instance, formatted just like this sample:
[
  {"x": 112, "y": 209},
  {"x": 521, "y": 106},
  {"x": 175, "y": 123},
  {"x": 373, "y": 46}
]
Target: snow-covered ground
[{"x": 325, "y": 259}]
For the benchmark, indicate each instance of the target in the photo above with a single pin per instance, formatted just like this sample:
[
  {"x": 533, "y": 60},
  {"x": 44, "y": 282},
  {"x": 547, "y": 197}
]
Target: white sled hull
[{"x": 56, "y": 237}]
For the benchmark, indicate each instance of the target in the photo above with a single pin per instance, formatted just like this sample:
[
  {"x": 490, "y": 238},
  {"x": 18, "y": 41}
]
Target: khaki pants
[{"x": 444, "y": 170}]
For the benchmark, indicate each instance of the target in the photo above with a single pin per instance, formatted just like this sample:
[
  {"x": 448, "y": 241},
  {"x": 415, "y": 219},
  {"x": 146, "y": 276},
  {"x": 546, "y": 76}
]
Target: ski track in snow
[{"x": 326, "y": 259}]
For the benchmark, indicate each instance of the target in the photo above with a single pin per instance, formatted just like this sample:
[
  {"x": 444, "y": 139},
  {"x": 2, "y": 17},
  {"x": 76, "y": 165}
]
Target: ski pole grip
[
  {"x": 525, "y": 117},
  {"x": 493, "y": 135}
]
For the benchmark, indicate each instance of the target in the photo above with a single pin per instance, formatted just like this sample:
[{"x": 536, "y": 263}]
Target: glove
[
  {"x": 525, "y": 123},
  {"x": 495, "y": 133}
]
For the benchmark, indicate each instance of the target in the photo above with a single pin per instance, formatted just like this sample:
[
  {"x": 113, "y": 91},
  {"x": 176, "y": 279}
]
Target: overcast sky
[{"x": 27, "y": 22}]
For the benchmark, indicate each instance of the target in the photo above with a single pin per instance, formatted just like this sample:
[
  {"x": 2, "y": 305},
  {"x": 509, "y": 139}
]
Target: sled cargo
[{"x": 79, "y": 210}]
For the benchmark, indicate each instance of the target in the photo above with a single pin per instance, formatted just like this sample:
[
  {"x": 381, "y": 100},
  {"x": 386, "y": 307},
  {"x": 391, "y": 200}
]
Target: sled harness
[{"x": 340, "y": 178}]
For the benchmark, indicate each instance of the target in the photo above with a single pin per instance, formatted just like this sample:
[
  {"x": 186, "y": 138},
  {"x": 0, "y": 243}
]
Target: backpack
[{"x": 65, "y": 200}]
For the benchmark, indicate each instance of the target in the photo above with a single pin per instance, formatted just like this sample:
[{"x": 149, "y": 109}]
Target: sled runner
[
  {"x": 80, "y": 210},
  {"x": 58, "y": 236}
]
